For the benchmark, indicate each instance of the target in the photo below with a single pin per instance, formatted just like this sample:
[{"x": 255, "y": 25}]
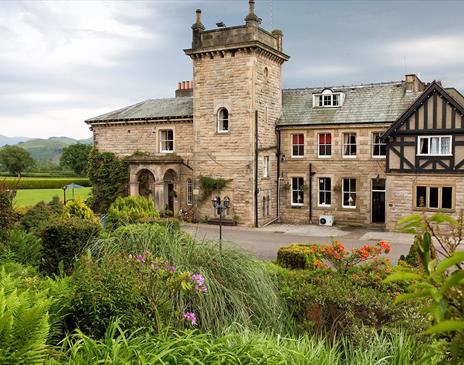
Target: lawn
[{"x": 28, "y": 197}]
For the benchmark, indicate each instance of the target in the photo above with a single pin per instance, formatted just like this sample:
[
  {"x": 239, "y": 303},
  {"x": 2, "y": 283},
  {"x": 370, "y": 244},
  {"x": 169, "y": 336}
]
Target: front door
[
  {"x": 171, "y": 197},
  {"x": 378, "y": 200}
]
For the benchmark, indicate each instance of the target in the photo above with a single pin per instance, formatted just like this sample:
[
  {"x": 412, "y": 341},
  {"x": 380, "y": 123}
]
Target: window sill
[
  {"x": 435, "y": 210},
  {"x": 347, "y": 207},
  {"x": 296, "y": 206},
  {"x": 223, "y": 132},
  {"x": 324, "y": 206},
  {"x": 379, "y": 157},
  {"x": 297, "y": 156},
  {"x": 350, "y": 157},
  {"x": 323, "y": 156},
  {"x": 422, "y": 155},
  {"x": 167, "y": 151}
]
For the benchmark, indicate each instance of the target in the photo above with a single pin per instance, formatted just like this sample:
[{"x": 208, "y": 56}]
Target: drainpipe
[
  {"x": 278, "y": 175},
  {"x": 310, "y": 200},
  {"x": 256, "y": 170}
]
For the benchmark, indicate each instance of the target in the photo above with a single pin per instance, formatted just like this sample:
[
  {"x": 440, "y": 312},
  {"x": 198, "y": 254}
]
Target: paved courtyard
[{"x": 264, "y": 242}]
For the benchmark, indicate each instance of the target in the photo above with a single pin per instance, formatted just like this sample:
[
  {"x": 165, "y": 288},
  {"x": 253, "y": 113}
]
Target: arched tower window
[{"x": 223, "y": 120}]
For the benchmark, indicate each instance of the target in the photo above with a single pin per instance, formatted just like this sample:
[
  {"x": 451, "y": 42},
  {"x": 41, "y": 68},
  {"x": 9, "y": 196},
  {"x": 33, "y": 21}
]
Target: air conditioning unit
[{"x": 326, "y": 220}]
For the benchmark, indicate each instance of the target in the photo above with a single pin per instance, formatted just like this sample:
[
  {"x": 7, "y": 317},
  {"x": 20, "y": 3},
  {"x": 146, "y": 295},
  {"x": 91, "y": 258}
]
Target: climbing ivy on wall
[
  {"x": 210, "y": 185},
  {"x": 109, "y": 176}
]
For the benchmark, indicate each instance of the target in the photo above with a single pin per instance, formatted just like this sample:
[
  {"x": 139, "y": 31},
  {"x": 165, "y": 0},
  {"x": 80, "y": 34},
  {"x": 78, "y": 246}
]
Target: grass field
[{"x": 28, "y": 197}]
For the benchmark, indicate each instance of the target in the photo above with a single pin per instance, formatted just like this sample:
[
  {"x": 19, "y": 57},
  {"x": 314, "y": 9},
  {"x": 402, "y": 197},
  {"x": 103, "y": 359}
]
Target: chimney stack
[
  {"x": 184, "y": 88},
  {"x": 413, "y": 83}
]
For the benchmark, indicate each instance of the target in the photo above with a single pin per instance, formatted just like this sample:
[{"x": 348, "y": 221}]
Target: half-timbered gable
[{"x": 429, "y": 136}]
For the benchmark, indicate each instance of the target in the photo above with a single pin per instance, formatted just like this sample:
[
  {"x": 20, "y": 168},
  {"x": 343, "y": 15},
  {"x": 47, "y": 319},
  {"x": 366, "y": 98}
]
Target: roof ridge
[{"x": 385, "y": 83}]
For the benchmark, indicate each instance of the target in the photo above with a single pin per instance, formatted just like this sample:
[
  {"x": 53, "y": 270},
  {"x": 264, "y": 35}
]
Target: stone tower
[{"x": 237, "y": 99}]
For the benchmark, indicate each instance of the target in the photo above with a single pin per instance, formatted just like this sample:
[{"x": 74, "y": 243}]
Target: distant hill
[
  {"x": 11, "y": 140},
  {"x": 49, "y": 150}
]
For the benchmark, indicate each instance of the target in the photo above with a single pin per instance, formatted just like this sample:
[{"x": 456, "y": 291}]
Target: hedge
[
  {"x": 300, "y": 256},
  {"x": 44, "y": 183}
]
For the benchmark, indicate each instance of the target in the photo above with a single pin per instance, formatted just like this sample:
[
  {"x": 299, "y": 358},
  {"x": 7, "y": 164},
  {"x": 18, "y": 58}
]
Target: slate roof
[
  {"x": 369, "y": 103},
  {"x": 150, "y": 109}
]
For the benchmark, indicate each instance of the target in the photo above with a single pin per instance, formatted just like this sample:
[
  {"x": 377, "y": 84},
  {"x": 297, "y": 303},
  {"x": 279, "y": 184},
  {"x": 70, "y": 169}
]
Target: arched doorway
[
  {"x": 146, "y": 182},
  {"x": 170, "y": 180}
]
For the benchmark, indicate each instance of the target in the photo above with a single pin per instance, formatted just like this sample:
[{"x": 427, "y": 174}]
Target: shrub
[
  {"x": 141, "y": 289},
  {"x": 239, "y": 288},
  {"x": 187, "y": 214},
  {"x": 131, "y": 209},
  {"x": 24, "y": 326},
  {"x": 171, "y": 224},
  {"x": 333, "y": 303},
  {"x": 45, "y": 183},
  {"x": 40, "y": 214},
  {"x": 7, "y": 214},
  {"x": 79, "y": 209},
  {"x": 22, "y": 247},
  {"x": 63, "y": 239},
  {"x": 300, "y": 256},
  {"x": 109, "y": 177}
]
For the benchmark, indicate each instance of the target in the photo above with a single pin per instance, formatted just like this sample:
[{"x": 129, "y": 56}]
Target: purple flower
[
  {"x": 171, "y": 268},
  {"x": 140, "y": 258},
  {"x": 191, "y": 317},
  {"x": 199, "y": 281}
]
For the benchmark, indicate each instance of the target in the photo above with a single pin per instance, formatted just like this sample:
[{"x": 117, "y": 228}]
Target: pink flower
[{"x": 190, "y": 317}]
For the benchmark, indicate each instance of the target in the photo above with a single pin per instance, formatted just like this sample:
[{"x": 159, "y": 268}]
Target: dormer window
[
  {"x": 223, "y": 120},
  {"x": 328, "y": 99}
]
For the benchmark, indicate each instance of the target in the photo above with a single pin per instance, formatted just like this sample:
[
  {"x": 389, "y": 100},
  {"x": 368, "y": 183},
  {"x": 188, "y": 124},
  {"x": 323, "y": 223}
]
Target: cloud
[
  {"x": 424, "y": 52},
  {"x": 327, "y": 70},
  {"x": 59, "y": 35}
]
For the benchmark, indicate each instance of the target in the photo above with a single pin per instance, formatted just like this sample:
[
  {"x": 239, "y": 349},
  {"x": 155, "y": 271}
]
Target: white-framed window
[
  {"x": 349, "y": 193},
  {"x": 379, "y": 148},
  {"x": 349, "y": 145},
  {"x": 266, "y": 166},
  {"x": 223, "y": 120},
  {"x": 434, "y": 145},
  {"x": 298, "y": 145},
  {"x": 328, "y": 99},
  {"x": 434, "y": 197},
  {"x": 166, "y": 140},
  {"x": 324, "y": 145},
  {"x": 297, "y": 191},
  {"x": 325, "y": 192},
  {"x": 189, "y": 192}
]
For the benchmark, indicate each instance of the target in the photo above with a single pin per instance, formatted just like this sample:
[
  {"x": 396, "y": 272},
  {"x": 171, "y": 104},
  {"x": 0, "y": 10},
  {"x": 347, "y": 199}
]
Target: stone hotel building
[{"x": 361, "y": 155}]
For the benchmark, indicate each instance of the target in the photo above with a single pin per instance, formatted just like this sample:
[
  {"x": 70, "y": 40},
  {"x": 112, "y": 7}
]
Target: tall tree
[
  {"x": 15, "y": 159},
  {"x": 76, "y": 157}
]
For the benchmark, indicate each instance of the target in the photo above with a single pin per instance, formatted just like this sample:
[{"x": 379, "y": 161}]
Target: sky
[{"x": 62, "y": 62}]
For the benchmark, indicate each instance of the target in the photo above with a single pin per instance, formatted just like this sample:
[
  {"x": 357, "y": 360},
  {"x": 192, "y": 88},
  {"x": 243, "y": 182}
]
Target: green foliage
[
  {"x": 234, "y": 347},
  {"x": 413, "y": 256},
  {"x": 109, "y": 177},
  {"x": 45, "y": 183},
  {"x": 441, "y": 283},
  {"x": 76, "y": 157},
  {"x": 24, "y": 326},
  {"x": 40, "y": 214},
  {"x": 63, "y": 240},
  {"x": 210, "y": 185},
  {"x": 141, "y": 290},
  {"x": 8, "y": 215},
  {"x": 343, "y": 305},
  {"x": 239, "y": 288},
  {"x": 15, "y": 159},
  {"x": 25, "y": 248},
  {"x": 129, "y": 210},
  {"x": 77, "y": 208},
  {"x": 300, "y": 256}
]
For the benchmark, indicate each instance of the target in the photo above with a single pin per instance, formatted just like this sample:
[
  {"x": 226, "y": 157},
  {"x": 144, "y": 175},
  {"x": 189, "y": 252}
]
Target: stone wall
[
  {"x": 125, "y": 139},
  {"x": 364, "y": 168},
  {"x": 401, "y": 195}
]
